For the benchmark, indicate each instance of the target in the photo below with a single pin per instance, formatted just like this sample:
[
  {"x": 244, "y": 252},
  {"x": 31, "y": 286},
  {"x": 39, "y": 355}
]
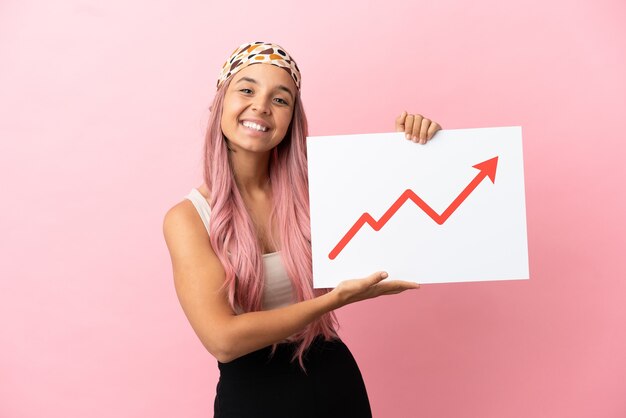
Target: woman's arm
[{"x": 198, "y": 278}]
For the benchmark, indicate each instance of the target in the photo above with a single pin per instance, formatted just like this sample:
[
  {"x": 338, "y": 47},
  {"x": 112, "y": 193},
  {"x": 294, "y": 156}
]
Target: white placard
[{"x": 439, "y": 216}]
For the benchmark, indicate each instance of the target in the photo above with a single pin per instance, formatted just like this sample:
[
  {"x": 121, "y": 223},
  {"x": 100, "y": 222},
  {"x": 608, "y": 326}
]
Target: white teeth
[{"x": 254, "y": 126}]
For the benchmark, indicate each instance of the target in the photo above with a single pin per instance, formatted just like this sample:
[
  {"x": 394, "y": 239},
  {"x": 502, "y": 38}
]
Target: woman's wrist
[{"x": 333, "y": 300}]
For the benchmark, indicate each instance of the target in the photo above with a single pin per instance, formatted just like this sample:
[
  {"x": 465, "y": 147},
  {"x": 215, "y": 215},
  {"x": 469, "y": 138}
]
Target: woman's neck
[{"x": 251, "y": 172}]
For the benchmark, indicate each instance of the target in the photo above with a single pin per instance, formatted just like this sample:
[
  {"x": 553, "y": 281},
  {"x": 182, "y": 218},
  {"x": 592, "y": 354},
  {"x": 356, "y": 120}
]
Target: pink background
[{"x": 102, "y": 111}]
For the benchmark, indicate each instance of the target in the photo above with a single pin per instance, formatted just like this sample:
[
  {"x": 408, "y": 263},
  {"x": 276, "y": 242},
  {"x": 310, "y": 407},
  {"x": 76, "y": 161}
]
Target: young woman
[{"x": 241, "y": 253}]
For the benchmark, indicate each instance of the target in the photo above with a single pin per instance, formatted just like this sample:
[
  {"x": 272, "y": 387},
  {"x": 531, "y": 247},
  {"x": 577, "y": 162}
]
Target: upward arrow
[{"x": 487, "y": 169}]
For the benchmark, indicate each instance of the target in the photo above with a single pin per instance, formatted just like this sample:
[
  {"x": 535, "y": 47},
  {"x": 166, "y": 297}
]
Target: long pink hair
[{"x": 232, "y": 231}]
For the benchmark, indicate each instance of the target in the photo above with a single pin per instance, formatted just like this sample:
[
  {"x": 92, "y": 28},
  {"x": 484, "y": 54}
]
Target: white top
[{"x": 278, "y": 289}]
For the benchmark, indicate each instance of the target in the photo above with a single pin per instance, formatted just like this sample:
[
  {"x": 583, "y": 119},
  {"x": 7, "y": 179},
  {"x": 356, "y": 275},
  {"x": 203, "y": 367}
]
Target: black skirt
[{"x": 264, "y": 386}]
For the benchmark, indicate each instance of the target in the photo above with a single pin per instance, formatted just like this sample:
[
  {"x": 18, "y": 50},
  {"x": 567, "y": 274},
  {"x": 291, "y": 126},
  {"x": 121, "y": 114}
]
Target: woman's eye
[{"x": 278, "y": 99}]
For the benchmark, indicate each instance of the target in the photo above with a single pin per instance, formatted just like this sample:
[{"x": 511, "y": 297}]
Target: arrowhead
[{"x": 488, "y": 168}]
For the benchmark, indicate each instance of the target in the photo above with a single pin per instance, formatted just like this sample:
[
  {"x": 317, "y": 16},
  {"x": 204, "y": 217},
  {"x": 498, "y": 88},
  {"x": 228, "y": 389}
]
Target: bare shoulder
[
  {"x": 188, "y": 242},
  {"x": 182, "y": 220},
  {"x": 185, "y": 210},
  {"x": 182, "y": 223}
]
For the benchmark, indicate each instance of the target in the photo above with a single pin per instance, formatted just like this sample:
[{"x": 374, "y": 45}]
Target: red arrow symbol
[{"x": 487, "y": 169}]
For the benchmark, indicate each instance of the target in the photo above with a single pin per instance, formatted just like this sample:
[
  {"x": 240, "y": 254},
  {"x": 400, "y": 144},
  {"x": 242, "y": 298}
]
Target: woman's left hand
[{"x": 416, "y": 127}]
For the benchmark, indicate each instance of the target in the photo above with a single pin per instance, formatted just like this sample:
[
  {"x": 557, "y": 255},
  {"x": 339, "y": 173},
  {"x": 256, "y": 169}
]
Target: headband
[{"x": 259, "y": 52}]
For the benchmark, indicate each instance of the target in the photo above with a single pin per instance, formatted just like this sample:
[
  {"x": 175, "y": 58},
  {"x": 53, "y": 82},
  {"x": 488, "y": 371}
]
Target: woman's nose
[{"x": 261, "y": 104}]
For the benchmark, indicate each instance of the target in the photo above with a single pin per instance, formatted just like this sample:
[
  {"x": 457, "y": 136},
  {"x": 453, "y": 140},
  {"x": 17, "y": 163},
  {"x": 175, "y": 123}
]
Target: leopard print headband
[{"x": 259, "y": 52}]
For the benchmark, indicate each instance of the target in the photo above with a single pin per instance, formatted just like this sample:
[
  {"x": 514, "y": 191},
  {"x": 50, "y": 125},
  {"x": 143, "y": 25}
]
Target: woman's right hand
[{"x": 372, "y": 286}]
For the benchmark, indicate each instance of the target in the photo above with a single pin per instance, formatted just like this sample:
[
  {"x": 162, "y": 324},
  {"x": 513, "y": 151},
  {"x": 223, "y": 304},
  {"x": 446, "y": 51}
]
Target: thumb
[
  {"x": 400, "y": 121},
  {"x": 377, "y": 277}
]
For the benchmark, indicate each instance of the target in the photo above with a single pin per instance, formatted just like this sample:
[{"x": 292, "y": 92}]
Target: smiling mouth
[{"x": 254, "y": 126}]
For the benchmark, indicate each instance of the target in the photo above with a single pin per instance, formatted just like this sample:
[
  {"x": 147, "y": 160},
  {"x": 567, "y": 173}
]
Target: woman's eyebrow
[{"x": 279, "y": 87}]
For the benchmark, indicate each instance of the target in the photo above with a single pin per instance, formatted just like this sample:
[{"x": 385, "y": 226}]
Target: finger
[
  {"x": 400, "y": 121},
  {"x": 434, "y": 127},
  {"x": 402, "y": 284},
  {"x": 395, "y": 286},
  {"x": 424, "y": 130},
  {"x": 376, "y": 278},
  {"x": 408, "y": 126},
  {"x": 416, "y": 127}
]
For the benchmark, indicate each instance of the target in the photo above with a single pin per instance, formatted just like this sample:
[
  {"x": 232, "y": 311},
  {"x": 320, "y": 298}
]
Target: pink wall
[{"x": 102, "y": 110}]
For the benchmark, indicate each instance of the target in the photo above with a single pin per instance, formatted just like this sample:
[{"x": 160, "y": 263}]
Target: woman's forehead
[{"x": 266, "y": 75}]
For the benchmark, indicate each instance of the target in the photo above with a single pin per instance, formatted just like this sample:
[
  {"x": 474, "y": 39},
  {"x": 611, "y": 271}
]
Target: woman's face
[{"x": 258, "y": 107}]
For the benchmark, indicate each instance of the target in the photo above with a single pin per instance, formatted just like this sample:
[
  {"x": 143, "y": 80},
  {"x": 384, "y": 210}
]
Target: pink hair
[{"x": 232, "y": 232}]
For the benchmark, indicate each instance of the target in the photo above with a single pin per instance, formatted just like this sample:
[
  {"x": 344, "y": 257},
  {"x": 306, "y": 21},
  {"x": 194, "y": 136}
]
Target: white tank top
[{"x": 278, "y": 290}]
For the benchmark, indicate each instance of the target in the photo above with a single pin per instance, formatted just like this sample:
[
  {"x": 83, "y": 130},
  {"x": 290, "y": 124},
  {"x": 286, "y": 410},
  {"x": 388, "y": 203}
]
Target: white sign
[{"x": 452, "y": 210}]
